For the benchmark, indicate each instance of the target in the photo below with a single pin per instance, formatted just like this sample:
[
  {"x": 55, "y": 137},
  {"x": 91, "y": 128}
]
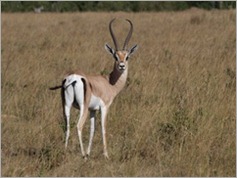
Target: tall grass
[{"x": 175, "y": 117}]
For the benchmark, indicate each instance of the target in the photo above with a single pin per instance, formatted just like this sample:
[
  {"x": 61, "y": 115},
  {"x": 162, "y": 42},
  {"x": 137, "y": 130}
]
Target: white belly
[{"x": 95, "y": 103}]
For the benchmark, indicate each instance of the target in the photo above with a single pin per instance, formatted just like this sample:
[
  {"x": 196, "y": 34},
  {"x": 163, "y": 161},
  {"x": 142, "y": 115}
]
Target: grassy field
[{"x": 175, "y": 117}]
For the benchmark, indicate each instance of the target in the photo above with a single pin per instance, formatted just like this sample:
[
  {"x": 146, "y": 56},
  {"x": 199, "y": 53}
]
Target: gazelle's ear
[
  {"x": 133, "y": 49},
  {"x": 109, "y": 49}
]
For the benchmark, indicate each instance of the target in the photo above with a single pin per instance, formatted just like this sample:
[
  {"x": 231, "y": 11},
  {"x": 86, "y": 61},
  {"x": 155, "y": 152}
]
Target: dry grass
[{"x": 175, "y": 117}]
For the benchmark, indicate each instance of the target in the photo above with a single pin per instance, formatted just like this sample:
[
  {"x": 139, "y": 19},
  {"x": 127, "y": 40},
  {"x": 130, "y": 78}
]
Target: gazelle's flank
[{"x": 87, "y": 92}]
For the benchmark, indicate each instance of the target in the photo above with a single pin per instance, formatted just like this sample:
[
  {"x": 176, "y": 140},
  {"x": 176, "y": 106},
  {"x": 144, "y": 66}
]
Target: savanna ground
[{"x": 175, "y": 117}]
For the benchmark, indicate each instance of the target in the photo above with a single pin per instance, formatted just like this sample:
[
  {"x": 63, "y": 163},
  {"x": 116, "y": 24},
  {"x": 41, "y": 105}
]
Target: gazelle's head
[{"x": 121, "y": 56}]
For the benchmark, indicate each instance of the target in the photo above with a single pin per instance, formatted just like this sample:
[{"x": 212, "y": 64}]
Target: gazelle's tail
[
  {"x": 59, "y": 86},
  {"x": 55, "y": 88},
  {"x": 66, "y": 82}
]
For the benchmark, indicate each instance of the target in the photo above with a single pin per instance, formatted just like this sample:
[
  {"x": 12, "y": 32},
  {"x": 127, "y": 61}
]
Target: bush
[{"x": 128, "y": 6}]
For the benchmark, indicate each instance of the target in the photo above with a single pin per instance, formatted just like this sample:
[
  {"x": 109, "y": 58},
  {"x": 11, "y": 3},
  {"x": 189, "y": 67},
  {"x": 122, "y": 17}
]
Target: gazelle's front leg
[
  {"x": 92, "y": 131},
  {"x": 104, "y": 111}
]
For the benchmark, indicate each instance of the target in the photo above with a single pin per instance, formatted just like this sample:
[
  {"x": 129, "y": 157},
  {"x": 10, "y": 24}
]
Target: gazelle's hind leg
[
  {"x": 80, "y": 124},
  {"x": 79, "y": 96},
  {"x": 68, "y": 100}
]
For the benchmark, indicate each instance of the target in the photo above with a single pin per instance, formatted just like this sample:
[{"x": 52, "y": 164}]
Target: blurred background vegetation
[{"x": 128, "y": 6}]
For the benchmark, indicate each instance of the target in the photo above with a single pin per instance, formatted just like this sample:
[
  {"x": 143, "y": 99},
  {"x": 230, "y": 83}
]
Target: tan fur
[{"x": 121, "y": 55}]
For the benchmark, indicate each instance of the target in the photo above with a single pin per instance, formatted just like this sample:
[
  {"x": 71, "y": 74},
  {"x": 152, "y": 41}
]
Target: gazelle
[
  {"x": 95, "y": 92},
  {"x": 39, "y": 9}
]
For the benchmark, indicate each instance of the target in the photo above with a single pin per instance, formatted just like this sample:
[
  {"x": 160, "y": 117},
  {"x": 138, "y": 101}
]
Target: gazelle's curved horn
[
  {"x": 129, "y": 35},
  {"x": 112, "y": 34}
]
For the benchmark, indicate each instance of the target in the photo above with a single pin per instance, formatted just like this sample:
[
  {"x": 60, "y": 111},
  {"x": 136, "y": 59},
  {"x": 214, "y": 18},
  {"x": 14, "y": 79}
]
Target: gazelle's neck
[{"x": 118, "y": 79}]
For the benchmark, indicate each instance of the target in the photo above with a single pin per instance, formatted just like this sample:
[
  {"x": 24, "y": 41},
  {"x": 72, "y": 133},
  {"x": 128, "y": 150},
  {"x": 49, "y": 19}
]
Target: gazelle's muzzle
[{"x": 121, "y": 66}]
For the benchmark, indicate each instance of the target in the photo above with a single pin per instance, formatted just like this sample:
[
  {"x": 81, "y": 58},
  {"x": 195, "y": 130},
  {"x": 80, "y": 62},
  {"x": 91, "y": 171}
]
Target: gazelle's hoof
[
  {"x": 85, "y": 157},
  {"x": 106, "y": 156}
]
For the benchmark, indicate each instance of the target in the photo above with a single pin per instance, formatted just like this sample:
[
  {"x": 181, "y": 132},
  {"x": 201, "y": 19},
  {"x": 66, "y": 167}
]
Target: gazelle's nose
[{"x": 121, "y": 66}]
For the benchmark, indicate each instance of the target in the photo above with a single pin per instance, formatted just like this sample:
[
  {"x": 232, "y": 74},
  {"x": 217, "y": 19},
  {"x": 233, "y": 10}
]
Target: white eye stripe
[
  {"x": 116, "y": 57},
  {"x": 126, "y": 57}
]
